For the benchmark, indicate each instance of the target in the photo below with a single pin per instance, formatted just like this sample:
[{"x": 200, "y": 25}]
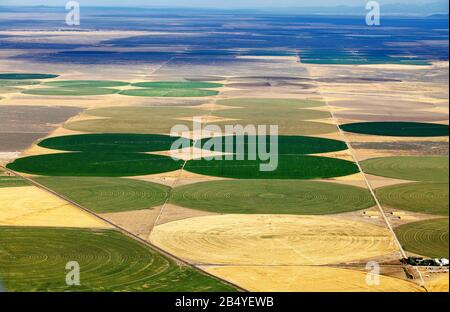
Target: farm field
[
  {"x": 92, "y": 169},
  {"x": 113, "y": 262},
  {"x": 428, "y": 238}
]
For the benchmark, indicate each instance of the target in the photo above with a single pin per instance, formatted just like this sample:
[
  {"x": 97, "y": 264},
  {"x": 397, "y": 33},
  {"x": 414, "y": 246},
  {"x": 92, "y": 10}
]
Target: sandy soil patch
[
  {"x": 30, "y": 206},
  {"x": 174, "y": 213},
  {"x": 272, "y": 240},
  {"x": 307, "y": 279},
  {"x": 138, "y": 222},
  {"x": 378, "y": 181},
  {"x": 438, "y": 283},
  {"x": 206, "y": 119}
]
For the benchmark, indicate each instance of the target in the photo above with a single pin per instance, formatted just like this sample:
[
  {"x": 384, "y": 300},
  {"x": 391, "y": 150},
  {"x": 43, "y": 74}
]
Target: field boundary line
[
  {"x": 369, "y": 185},
  {"x": 177, "y": 179},
  {"x": 124, "y": 231}
]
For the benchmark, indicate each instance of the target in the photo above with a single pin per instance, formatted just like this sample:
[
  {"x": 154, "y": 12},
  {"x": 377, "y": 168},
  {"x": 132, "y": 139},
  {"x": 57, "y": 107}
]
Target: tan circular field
[
  {"x": 438, "y": 283},
  {"x": 272, "y": 240},
  {"x": 307, "y": 279}
]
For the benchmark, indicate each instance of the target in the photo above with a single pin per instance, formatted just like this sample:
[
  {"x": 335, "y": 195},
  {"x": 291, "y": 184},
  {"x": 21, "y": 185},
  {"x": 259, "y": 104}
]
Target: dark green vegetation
[
  {"x": 289, "y": 167},
  {"x": 285, "y": 145},
  {"x": 108, "y": 194},
  {"x": 19, "y": 76},
  {"x": 272, "y": 197},
  {"x": 178, "y": 85},
  {"x": 409, "y": 168},
  {"x": 423, "y": 197},
  {"x": 95, "y": 164},
  {"x": 86, "y": 83},
  {"x": 401, "y": 129},
  {"x": 71, "y": 91},
  {"x": 158, "y": 92},
  {"x": 34, "y": 259},
  {"x": 427, "y": 238},
  {"x": 118, "y": 143}
]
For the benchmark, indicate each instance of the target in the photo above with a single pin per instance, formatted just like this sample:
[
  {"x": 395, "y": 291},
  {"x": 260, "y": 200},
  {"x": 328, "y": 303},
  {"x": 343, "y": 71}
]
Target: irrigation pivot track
[{"x": 121, "y": 229}]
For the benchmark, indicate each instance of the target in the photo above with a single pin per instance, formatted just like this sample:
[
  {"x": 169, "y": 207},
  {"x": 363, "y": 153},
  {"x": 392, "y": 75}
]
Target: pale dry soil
[
  {"x": 31, "y": 206},
  {"x": 273, "y": 240}
]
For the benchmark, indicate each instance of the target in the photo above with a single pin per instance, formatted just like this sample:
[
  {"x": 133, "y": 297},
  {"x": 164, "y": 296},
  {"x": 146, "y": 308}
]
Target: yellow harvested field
[
  {"x": 272, "y": 240},
  {"x": 31, "y": 206},
  {"x": 307, "y": 279},
  {"x": 438, "y": 283}
]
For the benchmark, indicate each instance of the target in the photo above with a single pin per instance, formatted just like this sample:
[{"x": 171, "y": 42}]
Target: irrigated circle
[
  {"x": 272, "y": 240},
  {"x": 272, "y": 197},
  {"x": 401, "y": 129},
  {"x": 282, "y": 167},
  {"x": 114, "y": 142},
  {"x": 420, "y": 168},
  {"x": 70, "y": 91},
  {"x": 23, "y": 76},
  {"x": 108, "y": 194},
  {"x": 95, "y": 164},
  {"x": 423, "y": 197},
  {"x": 35, "y": 259},
  {"x": 178, "y": 85},
  {"x": 427, "y": 238},
  {"x": 86, "y": 83},
  {"x": 283, "y": 145}
]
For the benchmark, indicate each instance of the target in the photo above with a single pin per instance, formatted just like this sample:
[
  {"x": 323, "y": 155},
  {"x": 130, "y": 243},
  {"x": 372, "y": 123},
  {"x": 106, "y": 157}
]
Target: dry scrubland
[{"x": 287, "y": 242}]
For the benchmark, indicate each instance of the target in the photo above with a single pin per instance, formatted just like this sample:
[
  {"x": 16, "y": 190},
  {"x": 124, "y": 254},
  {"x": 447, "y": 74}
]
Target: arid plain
[{"x": 351, "y": 188}]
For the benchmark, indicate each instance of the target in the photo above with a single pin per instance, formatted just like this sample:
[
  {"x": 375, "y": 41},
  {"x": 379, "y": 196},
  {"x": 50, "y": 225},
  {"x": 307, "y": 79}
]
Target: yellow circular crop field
[
  {"x": 272, "y": 240},
  {"x": 308, "y": 279}
]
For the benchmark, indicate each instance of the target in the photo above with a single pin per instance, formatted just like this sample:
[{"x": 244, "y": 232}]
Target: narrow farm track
[{"x": 120, "y": 229}]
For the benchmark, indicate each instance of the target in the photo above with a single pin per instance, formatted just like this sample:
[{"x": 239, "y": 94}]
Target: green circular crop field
[
  {"x": 427, "y": 238},
  {"x": 284, "y": 145},
  {"x": 104, "y": 195},
  {"x": 118, "y": 143},
  {"x": 177, "y": 85},
  {"x": 272, "y": 197},
  {"x": 423, "y": 197},
  {"x": 19, "y": 76},
  {"x": 159, "y": 92},
  {"x": 409, "y": 168},
  {"x": 70, "y": 91},
  {"x": 286, "y": 167},
  {"x": 95, "y": 164},
  {"x": 86, "y": 83},
  {"x": 18, "y": 83},
  {"x": 401, "y": 129},
  {"x": 34, "y": 260}
]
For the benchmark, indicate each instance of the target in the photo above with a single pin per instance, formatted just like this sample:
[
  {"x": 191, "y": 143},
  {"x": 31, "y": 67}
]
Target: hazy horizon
[{"x": 230, "y": 4}]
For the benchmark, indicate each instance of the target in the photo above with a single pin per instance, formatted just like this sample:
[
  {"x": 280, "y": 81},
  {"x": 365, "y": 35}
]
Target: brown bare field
[{"x": 138, "y": 222}]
